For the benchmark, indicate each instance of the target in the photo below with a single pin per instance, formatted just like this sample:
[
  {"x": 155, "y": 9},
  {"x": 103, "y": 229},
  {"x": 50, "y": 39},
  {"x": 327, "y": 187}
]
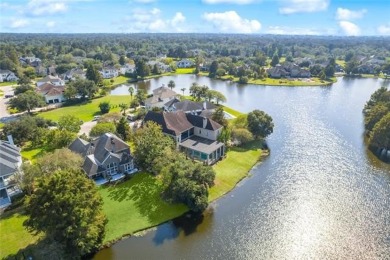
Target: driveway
[
  {"x": 86, "y": 127},
  {"x": 4, "y": 115}
]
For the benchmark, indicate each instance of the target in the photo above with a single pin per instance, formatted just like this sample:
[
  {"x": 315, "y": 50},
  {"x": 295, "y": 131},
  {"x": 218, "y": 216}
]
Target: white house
[
  {"x": 185, "y": 63},
  {"x": 127, "y": 68},
  {"x": 109, "y": 72},
  {"x": 56, "y": 81},
  {"x": 7, "y": 75},
  {"x": 52, "y": 93},
  {"x": 10, "y": 162}
]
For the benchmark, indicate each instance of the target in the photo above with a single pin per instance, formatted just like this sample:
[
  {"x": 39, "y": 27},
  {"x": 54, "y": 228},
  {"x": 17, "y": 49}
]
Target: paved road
[{"x": 86, "y": 127}]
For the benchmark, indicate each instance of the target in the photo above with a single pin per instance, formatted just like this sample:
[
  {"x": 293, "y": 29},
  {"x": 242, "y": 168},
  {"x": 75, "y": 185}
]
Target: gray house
[
  {"x": 196, "y": 136},
  {"x": 10, "y": 162},
  {"x": 106, "y": 158}
]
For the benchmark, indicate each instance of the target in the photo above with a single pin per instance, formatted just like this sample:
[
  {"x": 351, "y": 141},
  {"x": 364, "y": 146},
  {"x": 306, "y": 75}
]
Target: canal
[{"x": 319, "y": 195}]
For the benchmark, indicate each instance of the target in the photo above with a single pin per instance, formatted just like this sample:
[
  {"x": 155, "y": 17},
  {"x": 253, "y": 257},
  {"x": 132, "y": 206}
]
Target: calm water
[{"x": 319, "y": 195}]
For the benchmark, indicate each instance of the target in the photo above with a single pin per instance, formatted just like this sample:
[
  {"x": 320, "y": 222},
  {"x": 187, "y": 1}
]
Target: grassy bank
[
  {"x": 136, "y": 205},
  {"x": 86, "y": 111}
]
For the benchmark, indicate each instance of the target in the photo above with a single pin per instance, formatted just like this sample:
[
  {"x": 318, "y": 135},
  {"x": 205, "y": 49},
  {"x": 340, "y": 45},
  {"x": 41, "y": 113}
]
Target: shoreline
[{"x": 263, "y": 154}]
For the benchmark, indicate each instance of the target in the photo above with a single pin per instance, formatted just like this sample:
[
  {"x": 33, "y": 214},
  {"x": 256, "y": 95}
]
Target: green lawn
[
  {"x": 341, "y": 63},
  {"x": 135, "y": 205},
  {"x": 88, "y": 110},
  {"x": 184, "y": 71},
  {"x": 32, "y": 154},
  {"x": 13, "y": 234},
  {"x": 234, "y": 168},
  {"x": 2, "y": 84},
  {"x": 118, "y": 80},
  {"x": 232, "y": 111}
]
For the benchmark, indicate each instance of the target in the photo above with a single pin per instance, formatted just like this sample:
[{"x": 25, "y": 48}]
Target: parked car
[{"x": 95, "y": 118}]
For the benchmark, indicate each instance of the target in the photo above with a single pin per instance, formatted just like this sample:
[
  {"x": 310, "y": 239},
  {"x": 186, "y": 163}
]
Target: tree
[
  {"x": 260, "y": 124},
  {"x": 102, "y": 128},
  {"x": 219, "y": 116},
  {"x": 123, "y": 129},
  {"x": 380, "y": 136},
  {"x": 27, "y": 128},
  {"x": 24, "y": 80},
  {"x": 67, "y": 207},
  {"x": 141, "y": 96},
  {"x": 150, "y": 143},
  {"x": 329, "y": 70},
  {"x": 225, "y": 135},
  {"x": 93, "y": 74},
  {"x": 220, "y": 72},
  {"x": 242, "y": 135},
  {"x": 213, "y": 69},
  {"x": 104, "y": 107},
  {"x": 56, "y": 138},
  {"x": 374, "y": 115},
  {"x": 122, "y": 60},
  {"x": 60, "y": 159},
  {"x": 84, "y": 87},
  {"x": 131, "y": 92},
  {"x": 142, "y": 69},
  {"x": 70, "y": 123},
  {"x": 187, "y": 182},
  {"x": 219, "y": 97},
  {"x": 123, "y": 108},
  {"x": 275, "y": 60},
  {"x": 22, "y": 88},
  {"x": 171, "y": 84},
  {"x": 183, "y": 90},
  {"x": 27, "y": 101}
]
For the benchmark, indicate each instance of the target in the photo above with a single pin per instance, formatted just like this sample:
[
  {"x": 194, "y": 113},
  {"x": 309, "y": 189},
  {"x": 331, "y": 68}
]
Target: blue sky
[{"x": 307, "y": 17}]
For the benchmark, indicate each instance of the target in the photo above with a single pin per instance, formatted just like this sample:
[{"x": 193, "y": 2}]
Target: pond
[{"x": 319, "y": 195}]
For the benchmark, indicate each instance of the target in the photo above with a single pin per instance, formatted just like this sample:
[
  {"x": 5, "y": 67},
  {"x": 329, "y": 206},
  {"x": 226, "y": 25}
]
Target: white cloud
[
  {"x": 50, "y": 24},
  {"x": 231, "y": 22},
  {"x": 349, "y": 29},
  {"x": 239, "y": 2},
  {"x": 143, "y": 20},
  {"x": 18, "y": 23},
  {"x": 45, "y": 7},
  {"x": 178, "y": 18},
  {"x": 303, "y": 6},
  {"x": 292, "y": 30},
  {"x": 346, "y": 14},
  {"x": 384, "y": 29}
]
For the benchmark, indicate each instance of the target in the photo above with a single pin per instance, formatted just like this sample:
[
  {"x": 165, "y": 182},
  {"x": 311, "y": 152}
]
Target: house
[
  {"x": 109, "y": 72},
  {"x": 161, "y": 66},
  {"x": 188, "y": 106},
  {"x": 52, "y": 93},
  {"x": 196, "y": 136},
  {"x": 185, "y": 64},
  {"x": 56, "y": 81},
  {"x": 288, "y": 69},
  {"x": 73, "y": 74},
  {"x": 32, "y": 61},
  {"x": 160, "y": 96},
  {"x": 10, "y": 162},
  {"x": 106, "y": 158},
  {"x": 7, "y": 75},
  {"x": 127, "y": 68}
]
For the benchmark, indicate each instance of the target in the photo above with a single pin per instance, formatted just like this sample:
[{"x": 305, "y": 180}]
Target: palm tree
[
  {"x": 131, "y": 91},
  {"x": 183, "y": 89},
  {"x": 171, "y": 84},
  {"x": 123, "y": 107}
]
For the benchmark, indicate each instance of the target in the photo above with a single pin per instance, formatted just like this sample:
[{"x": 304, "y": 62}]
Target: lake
[{"x": 319, "y": 195}]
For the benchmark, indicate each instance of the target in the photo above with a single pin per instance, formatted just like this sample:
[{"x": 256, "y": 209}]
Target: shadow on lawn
[
  {"x": 145, "y": 192},
  {"x": 253, "y": 145},
  {"x": 43, "y": 249}
]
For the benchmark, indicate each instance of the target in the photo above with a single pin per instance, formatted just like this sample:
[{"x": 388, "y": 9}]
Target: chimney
[
  {"x": 204, "y": 122},
  {"x": 204, "y": 105},
  {"x": 10, "y": 139}
]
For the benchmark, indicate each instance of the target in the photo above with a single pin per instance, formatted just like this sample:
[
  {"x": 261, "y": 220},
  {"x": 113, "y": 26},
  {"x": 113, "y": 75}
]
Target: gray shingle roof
[{"x": 9, "y": 158}]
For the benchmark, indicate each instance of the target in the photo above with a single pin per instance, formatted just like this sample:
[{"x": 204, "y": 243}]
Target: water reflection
[{"x": 320, "y": 195}]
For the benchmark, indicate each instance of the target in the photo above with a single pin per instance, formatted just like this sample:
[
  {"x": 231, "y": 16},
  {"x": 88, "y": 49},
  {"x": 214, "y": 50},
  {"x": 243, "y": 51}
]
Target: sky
[{"x": 296, "y": 17}]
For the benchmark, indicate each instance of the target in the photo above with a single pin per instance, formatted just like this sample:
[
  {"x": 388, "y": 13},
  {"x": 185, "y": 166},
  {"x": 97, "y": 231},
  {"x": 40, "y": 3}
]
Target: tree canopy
[
  {"x": 260, "y": 124},
  {"x": 68, "y": 209},
  {"x": 27, "y": 101}
]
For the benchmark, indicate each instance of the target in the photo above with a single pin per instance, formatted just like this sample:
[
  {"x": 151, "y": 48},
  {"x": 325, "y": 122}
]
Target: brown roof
[
  {"x": 177, "y": 122},
  {"x": 50, "y": 90}
]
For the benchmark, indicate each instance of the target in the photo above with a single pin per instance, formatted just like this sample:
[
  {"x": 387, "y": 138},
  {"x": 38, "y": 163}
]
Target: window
[
  {"x": 200, "y": 131},
  {"x": 112, "y": 168},
  {"x": 129, "y": 166}
]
